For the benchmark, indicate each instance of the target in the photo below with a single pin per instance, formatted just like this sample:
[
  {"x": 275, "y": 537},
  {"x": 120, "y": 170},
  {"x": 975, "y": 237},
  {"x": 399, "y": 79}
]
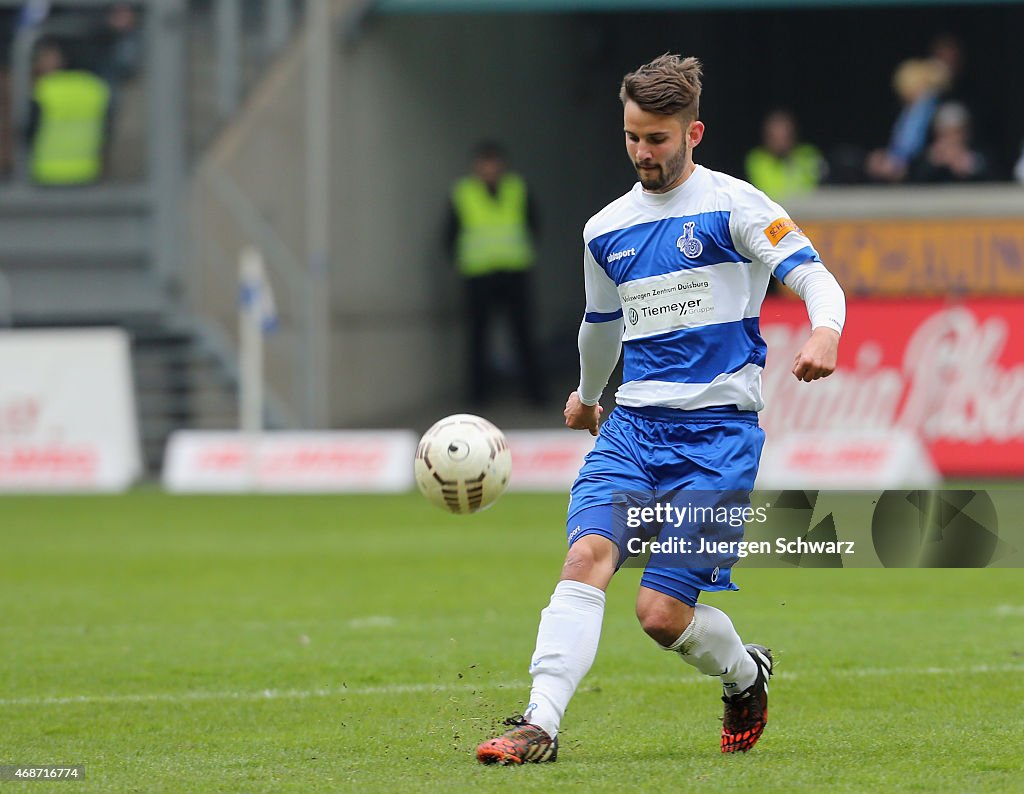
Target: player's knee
[
  {"x": 663, "y": 619},
  {"x": 591, "y": 559},
  {"x": 659, "y": 626}
]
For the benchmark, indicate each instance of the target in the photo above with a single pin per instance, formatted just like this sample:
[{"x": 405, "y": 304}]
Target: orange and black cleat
[
  {"x": 523, "y": 742},
  {"x": 746, "y": 714}
]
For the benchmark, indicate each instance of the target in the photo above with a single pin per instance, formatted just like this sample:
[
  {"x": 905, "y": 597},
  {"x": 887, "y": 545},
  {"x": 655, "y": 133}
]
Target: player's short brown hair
[{"x": 668, "y": 85}]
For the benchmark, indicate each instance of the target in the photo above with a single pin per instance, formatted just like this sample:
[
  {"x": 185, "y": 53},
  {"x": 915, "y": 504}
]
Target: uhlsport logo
[
  {"x": 688, "y": 244},
  {"x": 621, "y": 255}
]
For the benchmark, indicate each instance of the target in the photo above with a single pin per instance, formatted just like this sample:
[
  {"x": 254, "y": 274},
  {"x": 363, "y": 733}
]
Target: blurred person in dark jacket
[
  {"x": 950, "y": 157},
  {"x": 118, "y": 44},
  {"x": 8, "y": 19}
]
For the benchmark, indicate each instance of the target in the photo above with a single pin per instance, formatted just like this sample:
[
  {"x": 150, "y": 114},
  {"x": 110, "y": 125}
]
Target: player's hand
[
  {"x": 817, "y": 358},
  {"x": 582, "y": 417}
]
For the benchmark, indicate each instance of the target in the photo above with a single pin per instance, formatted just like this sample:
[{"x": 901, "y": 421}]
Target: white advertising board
[
  {"x": 846, "y": 460},
  {"x": 352, "y": 461},
  {"x": 547, "y": 460},
  {"x": 67, "y": 411}
]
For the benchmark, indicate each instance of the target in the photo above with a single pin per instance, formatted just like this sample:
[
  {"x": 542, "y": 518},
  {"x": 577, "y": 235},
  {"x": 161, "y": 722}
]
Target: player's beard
[{"x": 666, "y": 174}]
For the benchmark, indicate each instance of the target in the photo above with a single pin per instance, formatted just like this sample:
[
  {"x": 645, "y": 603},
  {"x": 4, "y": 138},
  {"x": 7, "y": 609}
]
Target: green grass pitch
[{"x": 315, "y": 644}]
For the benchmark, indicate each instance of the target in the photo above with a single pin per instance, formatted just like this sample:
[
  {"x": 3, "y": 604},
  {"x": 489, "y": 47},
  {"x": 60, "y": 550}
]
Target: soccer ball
[{"x": 463, "y": 463}]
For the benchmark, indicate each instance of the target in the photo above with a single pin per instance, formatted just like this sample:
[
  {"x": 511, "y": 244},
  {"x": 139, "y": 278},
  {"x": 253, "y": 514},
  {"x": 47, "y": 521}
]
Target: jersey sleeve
[
  {"x": 764, "y": 231},
  {"x": 603, "y": 303},
  {"x": 826, "y": 302},
  {"x": 600, "y": 337}
]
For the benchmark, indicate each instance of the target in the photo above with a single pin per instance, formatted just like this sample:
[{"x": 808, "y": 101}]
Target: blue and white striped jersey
[{"x": 687, "y": 272}]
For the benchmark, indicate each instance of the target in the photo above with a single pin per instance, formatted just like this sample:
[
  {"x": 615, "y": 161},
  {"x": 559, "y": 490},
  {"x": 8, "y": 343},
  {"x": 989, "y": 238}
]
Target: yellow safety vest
[
  {"x": 68, "y": 146},
  {"x": 799, "y": 172},
  {"x": 494, "y": 234}
]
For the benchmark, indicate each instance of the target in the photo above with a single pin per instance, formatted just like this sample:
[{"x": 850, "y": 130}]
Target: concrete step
[{"x": 85, "y": 293}]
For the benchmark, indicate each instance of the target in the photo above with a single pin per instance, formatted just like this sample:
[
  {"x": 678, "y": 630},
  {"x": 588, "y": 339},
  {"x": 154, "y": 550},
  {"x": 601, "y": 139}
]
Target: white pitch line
[
  {"x": 405, "y": 689},
  {"x": 367, "y": 622},
  {"x": 319, "y": 624},
  {"x": 262, "y": 694}
]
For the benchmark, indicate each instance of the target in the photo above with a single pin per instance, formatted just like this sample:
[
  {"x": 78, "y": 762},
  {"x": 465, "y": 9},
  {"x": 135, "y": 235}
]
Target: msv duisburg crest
[{"x": 688, "y": 244}]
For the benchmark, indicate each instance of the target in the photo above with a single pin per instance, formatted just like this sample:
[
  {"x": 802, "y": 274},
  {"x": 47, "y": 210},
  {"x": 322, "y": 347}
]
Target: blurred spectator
[
  {"x": 7, "y": 22},
  {"x": 1018, "y": 169},
  {"x": 68, "y": 121},
  {"x": 970, "y": 90},
  {"x": 118, "y": 45},
  {"x": 950, "y": 156},
  {"x": 491, "y": 225},
  {"x": 947, "y": 49},
  {"x": 782, "y": 166},
  {"x": 918, "y": 83}
]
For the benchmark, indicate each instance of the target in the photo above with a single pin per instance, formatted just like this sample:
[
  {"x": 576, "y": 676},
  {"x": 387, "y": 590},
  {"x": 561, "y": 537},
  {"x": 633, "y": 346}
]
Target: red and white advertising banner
[
  {"x": 67, "y": 411},
  {"x": 951, "y": 373},
  {"x": 546, "y": 460},
  {"x": 352, "y": 461}
]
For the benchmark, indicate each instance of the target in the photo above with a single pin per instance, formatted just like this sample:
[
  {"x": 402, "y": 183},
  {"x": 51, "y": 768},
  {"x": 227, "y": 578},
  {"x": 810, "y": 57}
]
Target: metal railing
[
  {"x": 6, "y": 303},
  {"x": 278, "y": 22}
]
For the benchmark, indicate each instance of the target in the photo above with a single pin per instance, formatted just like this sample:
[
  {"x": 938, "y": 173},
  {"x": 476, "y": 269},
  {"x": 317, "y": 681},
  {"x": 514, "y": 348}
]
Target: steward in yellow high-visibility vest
[
  {"x": 491, "y": 225},
  {"x": 69, "y": 128},
  {"x": 781, "y": 166},
  {"x": 783, "y": 176}
]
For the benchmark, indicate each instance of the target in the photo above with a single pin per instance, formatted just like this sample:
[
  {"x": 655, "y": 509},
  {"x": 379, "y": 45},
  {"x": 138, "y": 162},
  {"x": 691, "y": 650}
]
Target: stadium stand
[{"x": 110, "y": 254}]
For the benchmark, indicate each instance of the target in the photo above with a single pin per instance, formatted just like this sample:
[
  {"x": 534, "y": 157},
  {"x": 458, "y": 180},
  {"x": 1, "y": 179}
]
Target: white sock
[
  {"x": 570, "y": 628},
  {"x": 711, "y": 644}
]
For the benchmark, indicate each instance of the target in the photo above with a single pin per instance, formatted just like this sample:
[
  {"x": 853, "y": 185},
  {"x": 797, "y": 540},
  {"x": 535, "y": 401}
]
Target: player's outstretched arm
[
  {"x": 826, "y": 308},
  {"x": 579, "y": 416},
  {"x": 817, "y": 358}
]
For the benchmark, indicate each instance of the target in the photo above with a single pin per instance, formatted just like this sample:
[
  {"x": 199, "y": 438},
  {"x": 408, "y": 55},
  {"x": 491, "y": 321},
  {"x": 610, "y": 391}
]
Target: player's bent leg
[
  {"x": 710, "y": 643},
  {"x": 567, "y": 639},
  {"x": 707, "y": 640}
]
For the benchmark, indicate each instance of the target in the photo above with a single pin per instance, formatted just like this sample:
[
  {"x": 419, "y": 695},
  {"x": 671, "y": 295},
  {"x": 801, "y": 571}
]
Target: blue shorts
[{"x": 643, "y": 452}]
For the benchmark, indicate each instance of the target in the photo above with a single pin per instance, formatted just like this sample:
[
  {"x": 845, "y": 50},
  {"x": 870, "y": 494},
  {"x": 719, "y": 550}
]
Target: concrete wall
[{"x": 413, "y": 95}]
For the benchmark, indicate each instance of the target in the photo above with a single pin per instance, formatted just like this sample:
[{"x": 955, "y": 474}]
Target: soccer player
[{"x": 675, "y": 273}]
